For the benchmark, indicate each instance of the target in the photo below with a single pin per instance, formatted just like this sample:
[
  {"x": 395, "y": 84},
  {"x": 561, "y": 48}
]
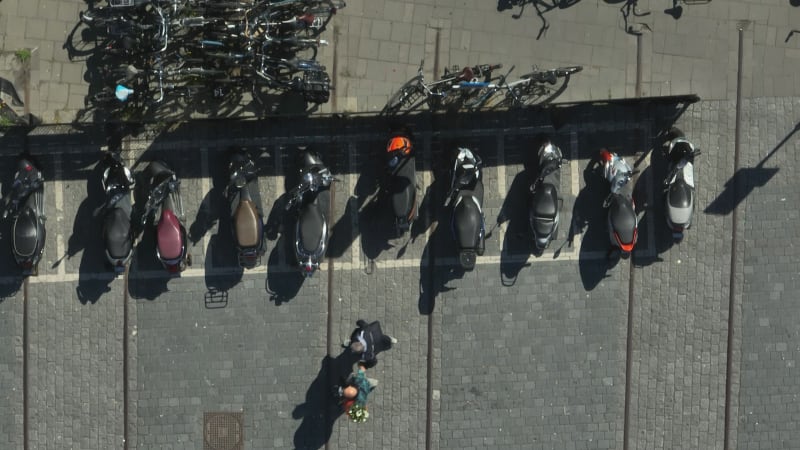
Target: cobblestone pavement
[
  {"x": 528, "y": 352},
  {"x": 769, "y": 326}
]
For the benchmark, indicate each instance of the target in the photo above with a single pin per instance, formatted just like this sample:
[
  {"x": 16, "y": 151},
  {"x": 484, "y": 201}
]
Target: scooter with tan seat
[{"x": 246, "y": 216}]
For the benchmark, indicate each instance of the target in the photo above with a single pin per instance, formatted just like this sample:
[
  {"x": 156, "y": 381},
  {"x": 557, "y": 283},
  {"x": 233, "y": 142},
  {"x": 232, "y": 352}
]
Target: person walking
[
  {"x": 367, "y": 340},
  {"x": 354, "y": 392}
]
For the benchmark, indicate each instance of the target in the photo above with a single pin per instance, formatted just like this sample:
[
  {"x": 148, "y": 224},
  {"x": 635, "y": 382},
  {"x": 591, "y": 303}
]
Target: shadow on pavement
[
  {"x": 320, "y": 411},
  {"x": 541, "y": 6},
  {"x": 589, "y": 218},
  {"x": 86, "y": 238},
  {"x": 517, "y": 242},
  {"x": 744, "y": 181},
  {"x": 434, "y": 275}
]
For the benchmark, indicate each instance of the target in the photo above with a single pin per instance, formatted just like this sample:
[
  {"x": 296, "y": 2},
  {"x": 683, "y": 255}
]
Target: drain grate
[{"x": 223, "y": 431}]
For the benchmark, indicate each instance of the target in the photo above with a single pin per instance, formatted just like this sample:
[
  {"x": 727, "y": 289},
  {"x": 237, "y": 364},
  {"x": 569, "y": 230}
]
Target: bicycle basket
[{"x": 316, "y": 86}]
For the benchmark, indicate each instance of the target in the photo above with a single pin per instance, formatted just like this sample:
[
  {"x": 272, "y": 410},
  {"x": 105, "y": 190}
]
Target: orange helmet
[{"x": 399, "y": 143}]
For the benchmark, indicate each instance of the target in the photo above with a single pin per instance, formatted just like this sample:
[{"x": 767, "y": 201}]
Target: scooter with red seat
[{"x": 165, "y": 208}]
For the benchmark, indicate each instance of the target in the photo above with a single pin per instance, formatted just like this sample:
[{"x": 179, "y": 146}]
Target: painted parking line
[
  {"x": 351, "y": 179},
  {"x": 501, "y": 181},
  {"x": 278, "y": 183},
  {"x": 205, "y": 184},
  {"x": 356, "y": 261},
  {"x": 58, "y": 189}
]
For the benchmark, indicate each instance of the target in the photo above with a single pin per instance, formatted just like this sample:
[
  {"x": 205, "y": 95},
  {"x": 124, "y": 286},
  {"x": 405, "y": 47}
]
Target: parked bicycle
[
  {"x": 417, "y": 92},
  {"x": 537, "y": 87}
]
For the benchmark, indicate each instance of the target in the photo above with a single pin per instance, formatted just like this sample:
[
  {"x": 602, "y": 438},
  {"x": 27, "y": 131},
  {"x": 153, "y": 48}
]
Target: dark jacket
[{"x": 374, "y": 338}]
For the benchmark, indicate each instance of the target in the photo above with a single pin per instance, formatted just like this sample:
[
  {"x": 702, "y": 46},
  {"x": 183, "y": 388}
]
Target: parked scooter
[
  {"x": 116, "y": 212},
  {"x": 401, "y": 184},
  {"x": 622, "y": 219},
  {"x": 165, "y": 198},
  {"x": 25, "y": 204},
  {"x": 679, "y": 183},
  {"x": 311, "y": 201},
  {"x": 246, "y": 216},
  {"x": 544, "y": 201},
  {"x": 466, "y": 196}
]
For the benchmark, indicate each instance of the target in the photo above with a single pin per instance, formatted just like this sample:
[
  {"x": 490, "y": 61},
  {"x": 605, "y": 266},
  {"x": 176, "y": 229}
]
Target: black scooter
[
  {"x": 25, "y": 204},
  {"x": 544, "y": 201},
  {"x": 311, "y": 201},
  {"x": 466, "y": 197},
  {"x": 401, "y": 183},
  {"x": 248, "y": 221},
  {"x": 164, "y": 198},
  {"x": 116, "y": 212}
]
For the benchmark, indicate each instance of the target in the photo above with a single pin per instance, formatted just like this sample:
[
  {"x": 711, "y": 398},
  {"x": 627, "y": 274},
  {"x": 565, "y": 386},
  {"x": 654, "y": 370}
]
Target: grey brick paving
[
  {"x": 397, "y": 406},
  {"x": 512, "y": 364},
  {"x": 769, "y": 328},
  {"x": 539, "y": 364},
  {"x": 251, "y": 356},
  {"x": 11, "y": 366},
  {"x": 680, "y": 316},
  {"x": 75, "y": 372}
]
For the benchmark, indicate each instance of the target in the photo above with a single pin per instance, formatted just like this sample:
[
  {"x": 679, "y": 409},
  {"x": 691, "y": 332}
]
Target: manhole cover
[{"x": 223, "y": 431}]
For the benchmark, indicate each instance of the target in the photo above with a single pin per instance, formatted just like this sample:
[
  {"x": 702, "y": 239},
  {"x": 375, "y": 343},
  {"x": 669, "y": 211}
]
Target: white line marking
[
  {"x": 576, "y": 184},
  {"x": 352, "y": 180},
  {"x": 205, "y": 185},
  {"x": 196, "y": 272},
  {"x": 279, "y": 181},
  {"x": 427, "y": 179},
  {"x": 501, "y": 183},
  {"x": 58, "y": 188},
  {"x": 573, "y": 163}
]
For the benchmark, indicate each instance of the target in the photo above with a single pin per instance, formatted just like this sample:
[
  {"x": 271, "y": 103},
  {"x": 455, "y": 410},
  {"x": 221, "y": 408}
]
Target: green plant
[{"x": 23, "y": 54}]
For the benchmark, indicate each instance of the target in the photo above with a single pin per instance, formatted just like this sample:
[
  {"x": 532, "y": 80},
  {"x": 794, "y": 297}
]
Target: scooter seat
[
  {"x": 26, "y": 233},
  {"x": 403, "y": 193},
  {"x": 117, "y": 233},
  {"x": 545, "y": 201},
  {"x": 623, "y": 218},
  {"x": 680, "y": 194},
  {"x": 170, "y": 240},
  {"x": 467, "y": 221},
  {"x": 247, "y": 224},
  {"x": 312, "y": 222}
]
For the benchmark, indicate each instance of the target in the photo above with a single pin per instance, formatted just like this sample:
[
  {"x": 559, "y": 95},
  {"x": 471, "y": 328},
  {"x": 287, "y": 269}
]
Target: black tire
[
  {"x": 530, "y": 94},
  {"x": 409, "y": 97},
  {"x": 104, "y": 98}
]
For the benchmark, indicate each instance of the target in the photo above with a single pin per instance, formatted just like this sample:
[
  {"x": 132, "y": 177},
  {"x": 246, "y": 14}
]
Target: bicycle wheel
[
  {"x": 529, "y": 94},
  {"x": 409, "y": 97},
  {"x": 98, "y": 17}
]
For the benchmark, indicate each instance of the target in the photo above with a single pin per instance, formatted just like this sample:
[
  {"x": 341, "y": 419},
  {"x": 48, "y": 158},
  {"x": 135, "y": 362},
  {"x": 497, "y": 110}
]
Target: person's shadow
[
  {"x": 280, "y": 285},
  {"x": 517, "y": 239},
  {"x": 320, "y": 411},
  {"x": 433, "y": 276},
  {"x": 88, "y": 226},
  {"x": 589, "y": 218}
]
